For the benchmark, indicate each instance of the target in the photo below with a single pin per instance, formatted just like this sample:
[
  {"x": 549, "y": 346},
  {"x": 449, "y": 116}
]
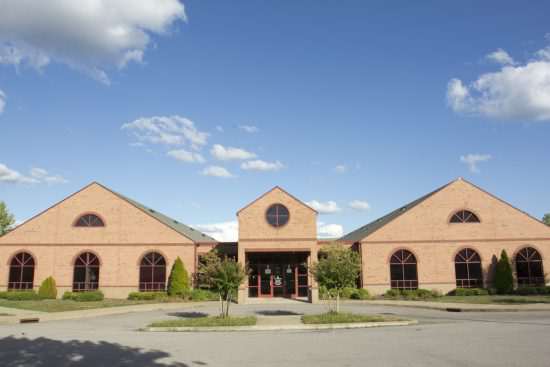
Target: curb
[
  {"x": 355, "y": 325},
  {"x": 95, "y": 312},
  {"x": 456, "y": 307}
]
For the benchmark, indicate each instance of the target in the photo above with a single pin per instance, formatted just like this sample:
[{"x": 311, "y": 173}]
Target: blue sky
[{"x": 369, "y": 103}]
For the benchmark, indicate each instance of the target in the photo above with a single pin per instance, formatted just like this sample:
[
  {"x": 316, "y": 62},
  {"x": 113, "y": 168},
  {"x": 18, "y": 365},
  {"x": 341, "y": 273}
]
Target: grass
[
  {"x": 207, "y": 321},
  {"x": 343, "y": 318},
  {"x": 494, "y": 299},
  {"x": 58, "y": 305}
]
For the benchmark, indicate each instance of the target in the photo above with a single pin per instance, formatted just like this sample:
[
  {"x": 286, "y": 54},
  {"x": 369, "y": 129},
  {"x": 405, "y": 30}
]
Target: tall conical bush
[
  {"x": 178, "y": 283},
  {"x": 48, "y": 289},
  {"x": 504, "y": 279}
]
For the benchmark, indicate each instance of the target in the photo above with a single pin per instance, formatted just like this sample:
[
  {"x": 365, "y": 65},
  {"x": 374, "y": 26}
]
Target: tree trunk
[
  {"x": 221, "y": 304},
  {"x": 337, "y": 301},
  {"x": 227, "y": 306}
]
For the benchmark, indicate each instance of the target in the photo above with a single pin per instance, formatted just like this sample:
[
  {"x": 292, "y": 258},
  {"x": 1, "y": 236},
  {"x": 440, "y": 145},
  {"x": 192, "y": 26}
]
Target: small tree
[
  {"x": 546, "y": 219},
  {"x": 504, "y": 280},
  {"x": 224, "y": 276},
  {"x": 178, "y": 282},
  {"x": 48, "y": 289},
  {"x": 6, "y": 219},
  {"x": 208, "y": 265},
  {"x": 337, "y": 269}
]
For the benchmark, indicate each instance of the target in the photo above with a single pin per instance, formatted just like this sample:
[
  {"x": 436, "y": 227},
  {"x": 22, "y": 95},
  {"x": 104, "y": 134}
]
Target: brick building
[{"x": 99, "y": 239}]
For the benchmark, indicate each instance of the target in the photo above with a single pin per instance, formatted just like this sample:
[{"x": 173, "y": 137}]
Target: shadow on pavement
[
  {"x": 189, "y": 315},
  {"x": 278, "y": 313},
  {"x": 48, "y": 352}
]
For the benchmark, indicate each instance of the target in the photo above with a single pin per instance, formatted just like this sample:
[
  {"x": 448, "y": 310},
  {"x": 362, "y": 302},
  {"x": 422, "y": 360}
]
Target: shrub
[
  {"x": 178, "y": 283},
  {"x": 504, "y": 280},
  {"x": 412, "y": 294},
  {"x": 347, "y": 292},
  {"x": 527, "y": 291},
  {"x": 147, "y": 296},
  {"x": 92, "y": 296},
  {"x": 469, "y": 292},
  {"x": 361, "y": 293},
  {"x": 392, "y": 293},
  {"x": 20, "y": 296},
  {"x": 48, "y": 289},
  {"x": 204, "y": 295}
]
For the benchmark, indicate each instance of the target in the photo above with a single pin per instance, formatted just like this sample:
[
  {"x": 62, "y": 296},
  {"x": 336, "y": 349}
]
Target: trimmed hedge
[
  {"x": 19, "y": 296},
  {"x": 190, "y": 295},
  {"x": 346, "y": 293},
  {"x": 412, "y": 294},
  {"x": 147, "y": 296},
  {"x": 527, "y": 291},
  {"x": 48, "y": 289},
  {"x": 93, "y": 296},
  {"x": 469, "y": 292}
]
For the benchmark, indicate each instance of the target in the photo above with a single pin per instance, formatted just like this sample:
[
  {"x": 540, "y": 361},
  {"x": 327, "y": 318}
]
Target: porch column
[
  {"x": 242, "y": 294},
  {"x": 314, "y": 288}
]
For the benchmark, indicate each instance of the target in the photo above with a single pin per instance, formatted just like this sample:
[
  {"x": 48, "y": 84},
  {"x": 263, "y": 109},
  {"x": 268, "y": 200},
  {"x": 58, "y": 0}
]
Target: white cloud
[
  {"x": 8, "y": 175},
  {"x": 515, "y": 92},
  {"x": 167, "y": 130},
  {"x": 224, "y": 154},
  {"x": 219, "y": 128},
  {"x": 329, "y": 230},
  {"x": 216, "y": 171},
  {"x": 501, "y": 57},
  {"x": 259, "y": 165},
  {"x": 2, "y": 101},
  {"x": 42, "y": 175},
  {"x": 249, "y": 128},
  {"x": 186, "y": 156},
  {"x": 341, "y": 168},
  {"x": 35, "y": 176},
  {"x": 472, "y": 161},
  {"x": 88, "y": 36},
  {"x": 359, "y": 205},
  {"x": 223, "y": 232},
  {"x": 328, "y": 207}
]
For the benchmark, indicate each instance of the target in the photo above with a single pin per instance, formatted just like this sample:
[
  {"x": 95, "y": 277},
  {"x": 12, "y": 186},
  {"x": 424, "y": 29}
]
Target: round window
[{"x": 277, "y": 215}]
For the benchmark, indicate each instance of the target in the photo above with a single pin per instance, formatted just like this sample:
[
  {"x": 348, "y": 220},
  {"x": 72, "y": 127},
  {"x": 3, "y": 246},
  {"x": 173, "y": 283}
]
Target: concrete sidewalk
[
  {"x": 18, "y": 315},
  {"x": 454, "y": 306}
]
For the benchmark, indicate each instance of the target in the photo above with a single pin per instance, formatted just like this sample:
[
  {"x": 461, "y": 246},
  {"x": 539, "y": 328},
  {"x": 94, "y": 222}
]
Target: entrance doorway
[{"x": 278, "y": 275}]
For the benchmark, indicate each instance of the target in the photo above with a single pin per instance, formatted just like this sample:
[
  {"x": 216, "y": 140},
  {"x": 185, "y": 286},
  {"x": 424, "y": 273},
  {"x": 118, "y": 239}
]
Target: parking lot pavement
[{"x": 441, "y": 339}]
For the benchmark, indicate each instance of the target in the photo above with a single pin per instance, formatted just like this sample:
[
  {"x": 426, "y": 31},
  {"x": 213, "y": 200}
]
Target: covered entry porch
[{"x": 278, "y": 274}]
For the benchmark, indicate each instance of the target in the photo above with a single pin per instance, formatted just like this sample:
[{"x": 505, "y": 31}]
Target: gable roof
[
  {"x": 285, "y": 192},
  {"x": 375, "y": 225},
  {"x": 181, "y": 228},
  {"x": 189, "y": 232}
]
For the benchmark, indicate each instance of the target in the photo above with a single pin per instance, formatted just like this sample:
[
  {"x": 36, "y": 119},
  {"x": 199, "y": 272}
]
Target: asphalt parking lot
[{"x": 440, "y": 339}]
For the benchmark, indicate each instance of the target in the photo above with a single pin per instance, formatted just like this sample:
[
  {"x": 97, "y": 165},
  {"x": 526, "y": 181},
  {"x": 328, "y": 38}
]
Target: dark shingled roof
[
  {"x": 373, "y": 226},
  {"x": 191, "y": 233}
]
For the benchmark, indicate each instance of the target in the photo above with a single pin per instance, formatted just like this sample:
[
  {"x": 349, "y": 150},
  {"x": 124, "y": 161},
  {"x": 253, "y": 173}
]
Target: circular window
[{"x": 277, "y": 215}]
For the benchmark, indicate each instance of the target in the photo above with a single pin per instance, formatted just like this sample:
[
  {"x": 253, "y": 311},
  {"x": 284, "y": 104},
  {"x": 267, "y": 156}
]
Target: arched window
[
  {"x": 89, "y": 220},
  {"x": 86, "y": 273},
  {"x": 403, "y": 270},
  {"x": 468, "y": 269},
  {"x": 529, "y": 267},
  {"x": 21, "y": 272},
  {"x": 152, "y": 273},
  {"x": 464, "y": 216}
]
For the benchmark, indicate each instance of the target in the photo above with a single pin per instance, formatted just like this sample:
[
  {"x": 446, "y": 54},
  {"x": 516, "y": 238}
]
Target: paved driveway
[{"x": 441, "y": 339}]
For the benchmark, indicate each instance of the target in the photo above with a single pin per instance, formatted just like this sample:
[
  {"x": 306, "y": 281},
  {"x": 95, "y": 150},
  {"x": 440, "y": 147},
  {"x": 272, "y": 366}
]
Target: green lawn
[
  {"x": 58, "y": 305},
  {"x": 342, "y": 318},
  {"x": 495, "y": 299},
  {"x": 207, "y": 321}
]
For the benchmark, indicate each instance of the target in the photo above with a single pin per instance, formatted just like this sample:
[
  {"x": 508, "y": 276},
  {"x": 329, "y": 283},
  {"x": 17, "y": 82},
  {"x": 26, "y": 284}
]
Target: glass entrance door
[
  {"x": 278, "y": 281},
  {"x": 265, "y": 281}
]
